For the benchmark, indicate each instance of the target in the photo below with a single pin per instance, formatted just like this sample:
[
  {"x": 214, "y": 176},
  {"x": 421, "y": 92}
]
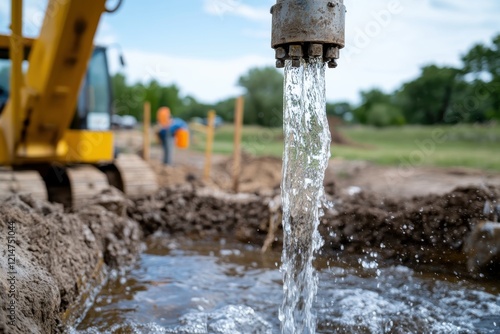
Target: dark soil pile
[
  {"x": 203, "y": 213},
  {"x": 430, "y": 229},
  {"x": 56, "y": 255},
  {"x": 422, "y": 230},
  {"x": 257, "y": 174}
]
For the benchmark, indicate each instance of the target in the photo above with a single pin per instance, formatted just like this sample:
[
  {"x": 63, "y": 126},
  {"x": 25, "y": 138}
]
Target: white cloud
[
  {"x": 416, "y": 34},
  {"x": 105, "y": 34},
  {"x": 207, "y": 80},
  {"x": 381, "y": 51},
  {"x": 420, "y": 33},
  {"x": 237, "y": 8},
  {"x": 33, "y": 12},
  {"x": 4, "y": 15}
]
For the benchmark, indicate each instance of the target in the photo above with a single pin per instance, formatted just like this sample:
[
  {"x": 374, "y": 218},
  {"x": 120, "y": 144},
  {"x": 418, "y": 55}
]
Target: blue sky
[{"x": 203, "y": 46}]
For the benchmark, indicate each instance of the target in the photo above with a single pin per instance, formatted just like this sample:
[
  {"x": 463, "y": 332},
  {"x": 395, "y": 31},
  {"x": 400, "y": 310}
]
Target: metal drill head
[
  {"x": 295, "y": 51},
  {"x": 295, "y": 62},
  {"x": 280, "y": 53},
  {"x": 332, "y": 63},
  {"x": 315, "y": 50},
  {"x": 304, "y": 26},
  {"x": 332, "y": 52}
]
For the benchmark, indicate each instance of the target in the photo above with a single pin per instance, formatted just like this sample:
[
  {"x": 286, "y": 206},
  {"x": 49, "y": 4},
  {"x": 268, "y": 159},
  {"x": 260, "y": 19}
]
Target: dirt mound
[
  {"x": 56, "y": 255},
  {"x": 258, "y": 174},
  {"x": 203, "y": 213},
  {"x": 175, "y": 175},
  {"x": 422, "y": 230},
  {"x": 430, "y": 229}
]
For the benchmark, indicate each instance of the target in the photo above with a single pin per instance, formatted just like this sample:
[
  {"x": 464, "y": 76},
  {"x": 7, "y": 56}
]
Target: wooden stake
[
  {"x": 146, "y": 135},
  {"x": 209, "y": 145},
  {"x": 238, "y": 123}
]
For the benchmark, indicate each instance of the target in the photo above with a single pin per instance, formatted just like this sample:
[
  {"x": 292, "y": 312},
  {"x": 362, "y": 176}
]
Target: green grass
[
  {"x": 445, "y": 146},
  {"x": 254, "y": 140}
]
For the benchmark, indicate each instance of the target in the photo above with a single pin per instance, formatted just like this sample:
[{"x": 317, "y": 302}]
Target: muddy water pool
[{"x": 218, "y": 287}]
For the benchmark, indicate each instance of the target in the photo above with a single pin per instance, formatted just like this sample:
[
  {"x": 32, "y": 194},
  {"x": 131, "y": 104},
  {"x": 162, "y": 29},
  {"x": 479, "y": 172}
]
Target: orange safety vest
[{"x": 163, "y": 116}]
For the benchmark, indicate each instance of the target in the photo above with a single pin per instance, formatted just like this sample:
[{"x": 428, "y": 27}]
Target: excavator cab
[
  {"x": 94, "y": 104},
  {"x": 55, "y": 138}
]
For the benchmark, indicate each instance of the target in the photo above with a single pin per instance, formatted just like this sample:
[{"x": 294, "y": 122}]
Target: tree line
[
  {"x": 439, "y": 95},
  {"x": 263, "y": 98}
]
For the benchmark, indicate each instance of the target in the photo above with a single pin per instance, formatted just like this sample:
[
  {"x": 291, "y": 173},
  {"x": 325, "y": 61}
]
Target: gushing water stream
[{"x": 305, "y": 158}]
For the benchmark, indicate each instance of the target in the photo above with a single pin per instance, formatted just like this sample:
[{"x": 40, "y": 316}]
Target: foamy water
[
  {"x": 231, "y": 289},
  {"x": 305, "y": 158}
]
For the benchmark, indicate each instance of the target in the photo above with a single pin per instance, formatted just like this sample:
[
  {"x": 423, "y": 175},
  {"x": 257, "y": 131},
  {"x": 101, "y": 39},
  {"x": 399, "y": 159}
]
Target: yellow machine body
[
  {"x": 34, "y": 125},
  {"x": 55, "y": 141}
]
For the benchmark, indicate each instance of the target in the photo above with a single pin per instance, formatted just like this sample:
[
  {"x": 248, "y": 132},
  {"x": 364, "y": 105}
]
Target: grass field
[{"x": 446, "y": 146}]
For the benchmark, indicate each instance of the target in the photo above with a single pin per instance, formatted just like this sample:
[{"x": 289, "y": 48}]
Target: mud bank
[
  {"x": 49, "y": 258},
  {"x": 59, "y": 254},
  {"x": 428, "y": 230},
  {"x": 432, "y": 230}
]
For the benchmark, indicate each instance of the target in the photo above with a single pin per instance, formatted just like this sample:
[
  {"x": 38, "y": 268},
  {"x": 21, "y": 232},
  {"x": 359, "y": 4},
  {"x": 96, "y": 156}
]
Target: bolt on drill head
[{"x": 302, "y": 29}]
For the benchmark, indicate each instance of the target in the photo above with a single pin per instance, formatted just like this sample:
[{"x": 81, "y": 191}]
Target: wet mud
[
  {"x": 59, "y": 253},
  {"x": 426, "y": 230}
]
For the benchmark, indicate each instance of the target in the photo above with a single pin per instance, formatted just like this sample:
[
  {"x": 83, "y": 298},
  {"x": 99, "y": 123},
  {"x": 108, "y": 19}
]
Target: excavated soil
[
  {"x": 423, "y": 230},
  {"x": 59, "y": 254}
]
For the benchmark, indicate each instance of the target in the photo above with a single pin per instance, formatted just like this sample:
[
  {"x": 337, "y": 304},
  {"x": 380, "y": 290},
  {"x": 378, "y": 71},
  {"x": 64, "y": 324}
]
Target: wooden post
[
  {"x": 16, "y": 73},
  {"x": 238, "y": 122},
  {"x": 146, "y": 135},
  {"x": 209, "y": 145}
]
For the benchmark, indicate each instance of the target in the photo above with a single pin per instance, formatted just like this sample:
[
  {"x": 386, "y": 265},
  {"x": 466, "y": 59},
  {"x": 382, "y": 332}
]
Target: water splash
[{"x": 305, "y": 158}]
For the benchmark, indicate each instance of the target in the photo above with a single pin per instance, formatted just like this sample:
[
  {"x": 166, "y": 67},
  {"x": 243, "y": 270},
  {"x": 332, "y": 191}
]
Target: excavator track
[
  {"x": 137, "y": 177},
  {"x": 85, "y": 182},
  {"x": 22, "y": 182},
  {"x": 74, "y": 186}
]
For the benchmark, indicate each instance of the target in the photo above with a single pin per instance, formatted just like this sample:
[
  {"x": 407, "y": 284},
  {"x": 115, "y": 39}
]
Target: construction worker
[{"x": 164, "y": 121}]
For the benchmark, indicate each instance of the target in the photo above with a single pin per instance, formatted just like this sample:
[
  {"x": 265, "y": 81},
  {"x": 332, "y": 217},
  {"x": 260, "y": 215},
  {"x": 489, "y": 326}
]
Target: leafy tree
[
  {"x": 170, "y": 96},
  {"x": 128, "y": 100},
  {"x": 427, "y": 99},
  {"x": 384, "y": 114},
  {"x": 378, "y": 109},
  {"x": 341, "y": 110},
  {"x": 225, "y": 109},
  {"x": 483, "y": 63},
  {"x": 193, "y": 108},
  {"x": 471, "y": 103},
  {"x": 264, "y": 96}
]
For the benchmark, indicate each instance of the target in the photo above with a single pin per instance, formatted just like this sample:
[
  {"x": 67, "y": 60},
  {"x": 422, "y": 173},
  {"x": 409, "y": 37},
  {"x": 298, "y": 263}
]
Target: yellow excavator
[
  {"x": 55, "y": 110},
  {"x": 55, "y": 141}
]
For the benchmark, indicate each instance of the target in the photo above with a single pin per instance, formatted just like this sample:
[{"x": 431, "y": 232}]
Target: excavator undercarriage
[
  {"x": 55, "y": 111},
  {"x": 74, "y": 185}
]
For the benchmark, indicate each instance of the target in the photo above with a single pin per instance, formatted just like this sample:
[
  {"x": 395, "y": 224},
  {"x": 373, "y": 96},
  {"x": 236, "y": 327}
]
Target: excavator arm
[
  {"x": 36, "y": 118},
  {"x": 35, "y": 124},
  {"x": 51, "y": 147}
]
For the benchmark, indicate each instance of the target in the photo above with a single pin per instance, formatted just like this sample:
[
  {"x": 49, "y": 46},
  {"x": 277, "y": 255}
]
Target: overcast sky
[{"x": 203, "y": 46}]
